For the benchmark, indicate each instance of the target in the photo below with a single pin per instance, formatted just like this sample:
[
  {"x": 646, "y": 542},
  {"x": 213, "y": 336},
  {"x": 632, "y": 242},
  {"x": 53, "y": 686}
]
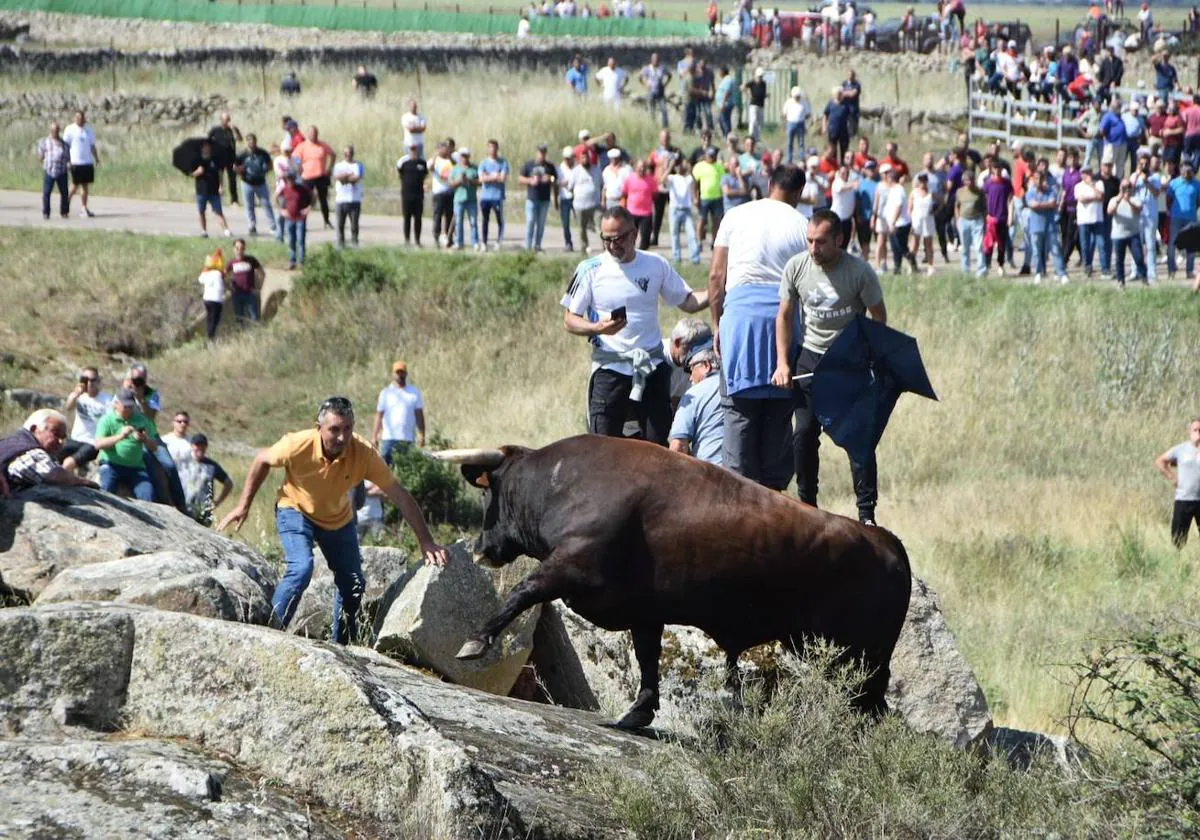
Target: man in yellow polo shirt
[
  {"x": 709, "y": 198},
  {"x": 322, "y": 465}
]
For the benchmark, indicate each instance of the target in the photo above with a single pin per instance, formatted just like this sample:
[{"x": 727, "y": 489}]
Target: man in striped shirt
[{"x": 55, "y": 158}]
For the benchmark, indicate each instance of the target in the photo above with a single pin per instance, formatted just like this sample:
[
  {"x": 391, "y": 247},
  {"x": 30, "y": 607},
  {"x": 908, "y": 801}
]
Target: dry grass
[{"x": 1026, "y": 496}]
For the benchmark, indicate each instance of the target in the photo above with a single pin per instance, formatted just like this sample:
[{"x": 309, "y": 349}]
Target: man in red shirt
[
  {"x": 316, "y": 162},
  {"x": 1172, "y": 133},
  {"x": 296, "y": 199},
  {"x": 1022, "y": 171},
  {"x": 863, "y": 155},
  {"x": 1154, "y": 126},
  {"x": 897, "y": 163}
]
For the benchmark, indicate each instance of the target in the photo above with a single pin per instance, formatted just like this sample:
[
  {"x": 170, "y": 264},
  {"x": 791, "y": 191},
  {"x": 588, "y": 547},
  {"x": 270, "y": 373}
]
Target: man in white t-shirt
[
  {"x": 612, "y": 81},
  {"x": 81, "y": 141},
  {"x": 348, "y": 195},
  {"x": 89, "y": 404},
  {"x": 613, "y": 302},
  {"x": 414, "y": 126},
  {"x": 399, "y": 415},
  {"x": 754, "y": 243},
  {"x": 614, "y": 177}
]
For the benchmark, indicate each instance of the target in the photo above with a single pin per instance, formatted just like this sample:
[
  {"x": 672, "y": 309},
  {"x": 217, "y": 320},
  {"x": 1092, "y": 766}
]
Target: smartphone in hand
[{"x": 618, "y": 314}]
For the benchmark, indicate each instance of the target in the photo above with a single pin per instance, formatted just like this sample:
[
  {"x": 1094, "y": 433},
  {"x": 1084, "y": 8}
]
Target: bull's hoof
[
  {"x": 635, "y": 719},
  {"x": 472, "y": 649}
]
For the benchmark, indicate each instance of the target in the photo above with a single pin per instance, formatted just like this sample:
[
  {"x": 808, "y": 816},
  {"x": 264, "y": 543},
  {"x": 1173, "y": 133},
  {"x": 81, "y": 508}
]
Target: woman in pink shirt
[{"x": 639, "y": 191}]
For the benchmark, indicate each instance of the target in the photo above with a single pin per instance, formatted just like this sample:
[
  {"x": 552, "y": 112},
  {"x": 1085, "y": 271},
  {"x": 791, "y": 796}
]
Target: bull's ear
[{"x": 477, "y": 476}]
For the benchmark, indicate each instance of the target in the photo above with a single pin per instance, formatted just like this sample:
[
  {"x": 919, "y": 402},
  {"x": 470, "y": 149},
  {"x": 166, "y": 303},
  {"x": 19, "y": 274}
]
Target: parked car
[{"x": 928, "y": 36}]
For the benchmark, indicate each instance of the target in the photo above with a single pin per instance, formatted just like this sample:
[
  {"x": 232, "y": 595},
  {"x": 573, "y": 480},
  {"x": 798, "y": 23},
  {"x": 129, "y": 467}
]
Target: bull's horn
[{"x": 476, "y": 457}]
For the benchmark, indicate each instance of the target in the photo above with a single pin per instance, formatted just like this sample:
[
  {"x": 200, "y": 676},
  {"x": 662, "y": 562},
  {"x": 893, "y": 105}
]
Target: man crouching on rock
[
  {"x": 27, "y": 456},
  {"x": 322, "y": 465}
]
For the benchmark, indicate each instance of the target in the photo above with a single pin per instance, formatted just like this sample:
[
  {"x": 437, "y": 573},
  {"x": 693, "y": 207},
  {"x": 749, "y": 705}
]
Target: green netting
[{"x": 348, "y": 17}]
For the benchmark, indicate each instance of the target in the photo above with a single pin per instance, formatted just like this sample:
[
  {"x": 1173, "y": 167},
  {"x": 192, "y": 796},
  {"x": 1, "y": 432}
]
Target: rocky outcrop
[
  {"x": 86, "y": 787},
  {"x": 439, "y": 608},
  {"x": 349, "y": 729},
  {"x": 230, "y": 588},
  {"x": 47, "y": 530},
  {"x": 933, "y": 688}
]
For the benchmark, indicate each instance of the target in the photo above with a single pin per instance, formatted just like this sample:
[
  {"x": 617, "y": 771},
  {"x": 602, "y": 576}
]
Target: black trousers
[
  {"x": 412, "y": 207},
  {"x": 807, "y": 444},
  {"x": 758, "y": 440},
  {"x": 660, "y": 210},
  {"x": 943, "y": 221},
  {"x": 644, "y": 223},
  {"x": 321, "y": 187},
  {"x": 847, "y": 228},
  {"x": 609, "y": 404},
  {"x": 348, "y": 210},
  {"x": 1181, "y": 521},
  {"x": 443, "y": 215},
  {"x": 83, "y": 453},
  {"x": 212, "y": 317},
  {"x": 862, "y": 229},
  {"x": 233, "y": 186},
  {"x": 841, "y": 142},
  {"x": 1068, "y": 228}
]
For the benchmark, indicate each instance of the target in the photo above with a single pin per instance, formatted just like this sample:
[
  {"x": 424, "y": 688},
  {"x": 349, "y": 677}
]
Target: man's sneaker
[
  {"x": 1000, "y": 271},
  {"x": 443, "y": 240},
  {"x": 1037, "y": 279},
  {"x": 1024, "y": 272},
  {"x": 88, "y": 213},
  {"x": 1064, "y": 279},
  {"x": 867, "y": 520},
  {"x": 46, "y": 216},
  {"x": 478, "y": 246},
  {"x": 229, "y": 233},
  {"x": 204, "y": 234},
  {"x": 83, "y": 214},
  {"x": 254, "y": 231}
]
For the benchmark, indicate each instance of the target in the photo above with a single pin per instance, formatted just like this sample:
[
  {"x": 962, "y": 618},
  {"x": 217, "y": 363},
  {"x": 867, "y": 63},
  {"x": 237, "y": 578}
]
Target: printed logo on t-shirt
[{"x": 642, "y": 283}]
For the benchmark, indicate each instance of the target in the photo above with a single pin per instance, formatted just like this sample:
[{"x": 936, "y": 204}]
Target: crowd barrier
[{"x": 356, "y": 17}]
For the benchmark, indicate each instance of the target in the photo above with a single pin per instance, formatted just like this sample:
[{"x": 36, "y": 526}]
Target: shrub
[
  {"x": 1147, "y": 688},
  {"x": 331, "y": 270},
  {"x": 438, "y": 488},
  {"x": 797, "y": 761}
]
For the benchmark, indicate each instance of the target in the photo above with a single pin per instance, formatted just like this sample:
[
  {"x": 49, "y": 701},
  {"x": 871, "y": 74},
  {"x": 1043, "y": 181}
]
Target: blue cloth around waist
[{"x": 748, "y": 341}]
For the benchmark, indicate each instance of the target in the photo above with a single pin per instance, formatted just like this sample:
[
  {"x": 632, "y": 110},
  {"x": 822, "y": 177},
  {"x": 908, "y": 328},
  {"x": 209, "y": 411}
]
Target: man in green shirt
[
  {"x": 833, "y": 288},
  {"x": 708, "y": 174},
  {"x": 120, "y": 436},
  {"x": 464, "y": 178}
]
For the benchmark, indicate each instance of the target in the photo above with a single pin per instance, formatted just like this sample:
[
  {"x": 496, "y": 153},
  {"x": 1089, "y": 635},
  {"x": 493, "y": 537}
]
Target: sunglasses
[{"x": 612, "y": 239}]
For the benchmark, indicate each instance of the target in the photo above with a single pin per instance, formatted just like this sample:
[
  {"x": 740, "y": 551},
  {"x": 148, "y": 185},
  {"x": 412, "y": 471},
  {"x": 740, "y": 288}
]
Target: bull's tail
[{"x": 896, "y": 582}]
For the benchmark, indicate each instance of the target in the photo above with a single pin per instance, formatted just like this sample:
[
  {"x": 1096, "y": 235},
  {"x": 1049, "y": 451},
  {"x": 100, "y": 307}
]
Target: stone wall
[
  {"x": 437, "y": 57},
  {"x": 114, "y": 109}
]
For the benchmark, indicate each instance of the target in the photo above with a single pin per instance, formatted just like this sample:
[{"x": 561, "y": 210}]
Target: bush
[
  {"x": 332, "y": 270},
  {"x": 1147, "y": 688},
  {"x": 438, "y": 487},
  {"x": 797, "y": 761}
]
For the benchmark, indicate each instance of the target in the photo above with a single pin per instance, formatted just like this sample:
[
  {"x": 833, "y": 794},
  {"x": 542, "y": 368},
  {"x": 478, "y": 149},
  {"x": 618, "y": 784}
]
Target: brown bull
[{"x": 635, "y": 537}]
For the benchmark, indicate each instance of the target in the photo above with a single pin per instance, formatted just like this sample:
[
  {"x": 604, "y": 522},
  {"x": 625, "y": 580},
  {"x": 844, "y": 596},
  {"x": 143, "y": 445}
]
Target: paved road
[{"x": 24, "y": 209}]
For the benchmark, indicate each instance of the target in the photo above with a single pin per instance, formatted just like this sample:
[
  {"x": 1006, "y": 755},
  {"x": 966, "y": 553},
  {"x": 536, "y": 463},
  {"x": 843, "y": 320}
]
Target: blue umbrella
[{"x": 857, "y": 382}]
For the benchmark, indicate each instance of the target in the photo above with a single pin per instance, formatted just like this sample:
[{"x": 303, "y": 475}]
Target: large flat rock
[
  {"x": 350, "y": 729},
  {"x": 46, "y": 530}
]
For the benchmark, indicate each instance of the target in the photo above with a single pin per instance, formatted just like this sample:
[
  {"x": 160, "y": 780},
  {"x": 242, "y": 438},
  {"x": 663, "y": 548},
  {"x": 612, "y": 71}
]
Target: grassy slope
[{"x": 1026, "y": 495}]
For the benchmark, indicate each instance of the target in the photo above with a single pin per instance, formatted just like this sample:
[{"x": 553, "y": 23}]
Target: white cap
[
  {"x": 758, "y": 72},
  {"x": 568, "y": 151},
  {"x": 795, "y": 91},
  {"x": 1012, "y": 45},
  {"x": 464, "y": 151},
  {"x": 613, "y": 154},
  {"x": 813, "y": 162},
  {"x": 584, "y": 134}
]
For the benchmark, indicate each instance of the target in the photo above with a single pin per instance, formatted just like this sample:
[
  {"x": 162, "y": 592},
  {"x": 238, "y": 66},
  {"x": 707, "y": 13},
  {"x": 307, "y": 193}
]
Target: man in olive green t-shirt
[
  {"x": 832, "y": 287},
  {"x": 970, "y": 209},
  {"x": 120, "y": 436}
]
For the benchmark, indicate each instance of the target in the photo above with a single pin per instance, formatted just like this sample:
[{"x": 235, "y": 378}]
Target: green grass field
[{"x": 1026, "y": 496}]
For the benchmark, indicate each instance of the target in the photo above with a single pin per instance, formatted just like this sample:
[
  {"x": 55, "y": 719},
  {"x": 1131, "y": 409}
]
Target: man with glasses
[
  {"x": 613, "y": 302},
  {"x": 322, "y": 465},
  {"x": 178, "y": 441},
  {"x": 89, "y": 404},
  {"x": 699, "y": 425}
]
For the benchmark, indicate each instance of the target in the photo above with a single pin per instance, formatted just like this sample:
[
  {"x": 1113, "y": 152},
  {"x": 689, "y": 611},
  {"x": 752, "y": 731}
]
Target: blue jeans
[
  {"x": 1047, "y": 240},
  {"x": 1134, "y": 245},
  {"x": 682, "y": 218},
  {"x": 257, "y": 193},
  {"x": 1089, "y": 236},
  {"x": 1177, "y": 225},
  {"x": 1148, "y": 228},
  {"x": 295, "y": 231},
  {"x": 1023, "y": 215},
  {"x": 245, "y": 305},
  {"x": 111, "y": 475},
  {"x": 49, "y": 182},
  {"x": 725, "y": 120},
  {"x": 297, "y": 535},
  {"x": 388, "y": 446},
  {"x": 535, "y": 222},
  {"x": 487, "y": 206},
  {"x": 565, "y": 205},
  {"x": 970, "y": 232},
  {"x": 464, "y": 210},
  {"x": 704, "y": 115},
  {"x": 795, "y": 134},
  {"x": 659, "y": 104}
]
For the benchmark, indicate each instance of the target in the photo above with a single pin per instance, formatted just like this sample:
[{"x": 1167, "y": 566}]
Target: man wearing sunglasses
[
  {"x": 89, "y": 404},
  {"x": 613, "y": 302},
  {"x": 321, "y": 466}
]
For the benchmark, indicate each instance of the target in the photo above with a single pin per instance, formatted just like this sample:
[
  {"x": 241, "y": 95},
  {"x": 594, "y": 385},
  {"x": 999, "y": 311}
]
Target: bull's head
[{"x": 500, "y": 542}]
